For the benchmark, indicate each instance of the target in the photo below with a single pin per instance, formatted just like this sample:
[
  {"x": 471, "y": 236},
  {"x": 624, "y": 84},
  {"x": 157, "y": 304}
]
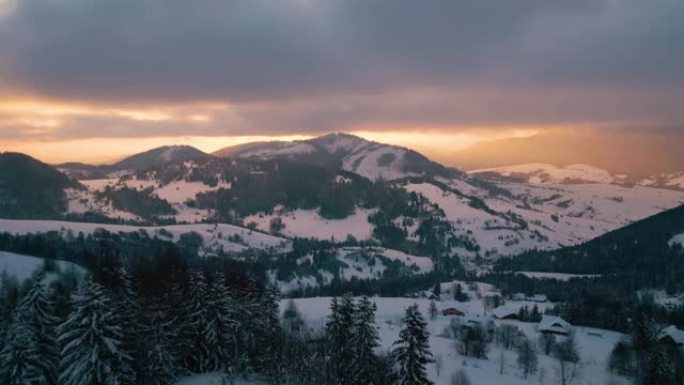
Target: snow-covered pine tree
[
  {"x": 340, "y": 351},
  {"x": 412, "y": 352},
  {"x": 31, "y": 344},
  {"x": 160, "y": 365},
  {"x": 91, "y": 341},
  {"x": 293, "y": 323},
  {"x": 267, "y": 333},
  {"x": 364, "y": 341},
  {"x": 16, "y": 359},
  {"x": 193, "y": 345},
  {"x": 220, "y": 334}
]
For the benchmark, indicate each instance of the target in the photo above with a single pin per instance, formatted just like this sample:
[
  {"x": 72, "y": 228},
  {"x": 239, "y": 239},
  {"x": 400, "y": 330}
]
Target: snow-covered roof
[
  {"x": 674, "y": 333},
  {"x": 554, "y": 324},
  {"x": 502, "y": 312},
  {"x": 539, "y": 298}
]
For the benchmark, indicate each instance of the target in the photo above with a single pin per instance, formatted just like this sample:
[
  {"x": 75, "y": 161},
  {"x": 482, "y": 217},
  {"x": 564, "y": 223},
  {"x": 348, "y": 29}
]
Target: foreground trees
[{"x": 411, "y": 352}]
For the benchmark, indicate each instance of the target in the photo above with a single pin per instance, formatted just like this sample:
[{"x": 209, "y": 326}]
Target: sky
[{"x": 95, "y": 80}]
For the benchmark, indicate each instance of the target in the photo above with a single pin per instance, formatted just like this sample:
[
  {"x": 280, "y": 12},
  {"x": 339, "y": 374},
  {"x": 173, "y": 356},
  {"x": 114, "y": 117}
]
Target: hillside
[
  {"x": 30, "y": 188},
  {"x": 375, "y": 161},
  {"x": 649, "y": 246}
]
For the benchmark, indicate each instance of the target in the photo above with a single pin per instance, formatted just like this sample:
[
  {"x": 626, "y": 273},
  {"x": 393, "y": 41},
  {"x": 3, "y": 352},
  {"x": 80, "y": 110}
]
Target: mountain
[
  {"x": 544, "y": 173},
  {"x": 369, "y": 159},
  {"x": 30, "y": 188},
  {"x": 646, "y": 246},
  {"x": 634, "y": 154},
  {"x": 159, "y": 156}
]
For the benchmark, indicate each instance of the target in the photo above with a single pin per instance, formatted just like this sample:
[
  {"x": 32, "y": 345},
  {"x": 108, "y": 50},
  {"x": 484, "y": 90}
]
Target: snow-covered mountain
[
  {"x": 540, "y": 173},
  {"x": 375, "y": 161},
  {"x": 145, "y": 160}
]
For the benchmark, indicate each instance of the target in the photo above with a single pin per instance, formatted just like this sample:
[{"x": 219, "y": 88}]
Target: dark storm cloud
[{"x": 622, "y": 60}]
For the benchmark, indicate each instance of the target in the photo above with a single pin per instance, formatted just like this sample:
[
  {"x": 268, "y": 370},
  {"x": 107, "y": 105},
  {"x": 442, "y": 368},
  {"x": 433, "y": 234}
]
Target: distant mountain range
[
  {"x": 369, "y": 159},
  {"x": 341, "y": 186}
]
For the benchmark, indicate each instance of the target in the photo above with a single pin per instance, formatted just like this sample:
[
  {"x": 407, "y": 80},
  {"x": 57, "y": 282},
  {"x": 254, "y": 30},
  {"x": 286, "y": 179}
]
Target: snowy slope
[
  {"x": 547, "y": 173},
  {"x": 309, "y": 224},
  {"x": 669, "y": 180},
  {"x": 369, "y": 159},
  {"x": 678, "y": 239},
  {"x": 216, "y": 236},
  {"x": 23, "y": 267},
  {"x": 555, "y": 215}
]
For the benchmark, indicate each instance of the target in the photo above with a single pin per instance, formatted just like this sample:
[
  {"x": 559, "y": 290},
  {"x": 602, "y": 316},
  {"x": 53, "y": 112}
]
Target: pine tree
[
  {"x": 92, "y": 350},
  {"x": 193, "y": 344},
  {"x": 16, "y": 359},
  {"x": 292, "y": 319},
  {"x": 33, "y": 337},
  {"x": 411, "y": 352},
  {"x": 364, "y": 341},
  {"x": 340, "y": 352},
  {"x": 220, "y": 334}
]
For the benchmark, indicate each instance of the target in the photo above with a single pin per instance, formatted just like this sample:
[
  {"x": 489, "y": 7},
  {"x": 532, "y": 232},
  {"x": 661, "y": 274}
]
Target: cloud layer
[{"x": 241, "y": 67}]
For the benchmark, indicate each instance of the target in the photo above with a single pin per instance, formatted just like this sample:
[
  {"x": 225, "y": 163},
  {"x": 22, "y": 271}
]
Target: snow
[
  {"x": 309, "y": 224},
  {"x": 214, "y": 379},
  {"x": 215, "y": 235},
  {"x": 538, "y": 173},
  {"x": 679, "y": 239},
  {"x": 594, "y": 345},
  {"x": 556, "y": 214},
  {"x": 23, "y": 267},
  {"x": 555, "y": 276},
  {"x": 366, "y": 163}
]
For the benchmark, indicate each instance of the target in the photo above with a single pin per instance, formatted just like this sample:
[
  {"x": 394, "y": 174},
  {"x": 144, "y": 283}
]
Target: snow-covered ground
[
  {"x": 679, "y": 238},
  {"x": 556, "y": 214},
  {"x": 309, "y": 224},
  {"x": 23, "y": 267},
  {"x": 556, "y": 276},
  {"x": 594, "y": 345},
  {"x": 538, "y": 173},
  {"x": 216, "y": 236}
]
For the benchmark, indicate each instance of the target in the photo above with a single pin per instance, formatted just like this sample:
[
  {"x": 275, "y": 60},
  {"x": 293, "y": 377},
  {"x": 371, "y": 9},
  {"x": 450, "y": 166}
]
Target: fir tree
[
  {"x": 193, "y": 344},
  {"x": 340, "y": 352},
  {"x": 411, "y": 352},
  {"x": 433, "y": 310},
  {"x": 16, "y": 359},
  {"x": 292, "y": 319},
  {"x": 92, "y": 350},
  {"x": 32, "y": 343},
  {"x": 364, "y": 341},
  {"x": 220, "y": 334}
]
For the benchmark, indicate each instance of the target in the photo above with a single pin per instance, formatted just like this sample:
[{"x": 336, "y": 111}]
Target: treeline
[{"x": 147, "y": 323}]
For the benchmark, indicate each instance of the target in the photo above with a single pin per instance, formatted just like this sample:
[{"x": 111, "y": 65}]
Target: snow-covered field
[
  {"x": 309, "y": 224},
  {"x": 679, "y": 238},
  {"x": 556, "y": 276},
  {"x": 216, "y": 236},
  {"x": 23, "y": 267},
  {"x": 538, "y": 173},
  {"x": 594, "y": 345}
]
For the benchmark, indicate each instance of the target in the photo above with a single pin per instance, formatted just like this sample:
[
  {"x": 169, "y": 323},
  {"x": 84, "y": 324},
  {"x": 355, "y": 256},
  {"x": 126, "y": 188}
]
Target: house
[
  {"x": 452, "y": 311},
  {"x": 555, "y": 325},
  {"x": 538, "y": 298},
  {"x": 671, "y": 336},
  {"x": 518, "y": 297},
  {"x": 505, "y": 312}
]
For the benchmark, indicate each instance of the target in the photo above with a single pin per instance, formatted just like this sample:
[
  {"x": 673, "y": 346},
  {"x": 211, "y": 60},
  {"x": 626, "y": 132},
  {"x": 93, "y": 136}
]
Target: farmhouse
[
  {"x": 671, "y": 336},
  {"x": 518, "y": 297},
  {"x": 554, "y": 325},
  {"x": 538, "y": 298},
  {"x": 452, "y": 311},
  {"x": 505, "y": 312}
]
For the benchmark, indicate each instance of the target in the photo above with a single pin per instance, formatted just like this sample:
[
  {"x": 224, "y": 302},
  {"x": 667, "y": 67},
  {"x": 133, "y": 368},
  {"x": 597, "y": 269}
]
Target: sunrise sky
[{"x": 95, "y": 80}]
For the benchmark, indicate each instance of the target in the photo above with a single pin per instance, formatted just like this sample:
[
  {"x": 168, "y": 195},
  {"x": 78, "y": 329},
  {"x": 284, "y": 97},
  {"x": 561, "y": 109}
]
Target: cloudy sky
[{"x": 97, "y": 79}]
